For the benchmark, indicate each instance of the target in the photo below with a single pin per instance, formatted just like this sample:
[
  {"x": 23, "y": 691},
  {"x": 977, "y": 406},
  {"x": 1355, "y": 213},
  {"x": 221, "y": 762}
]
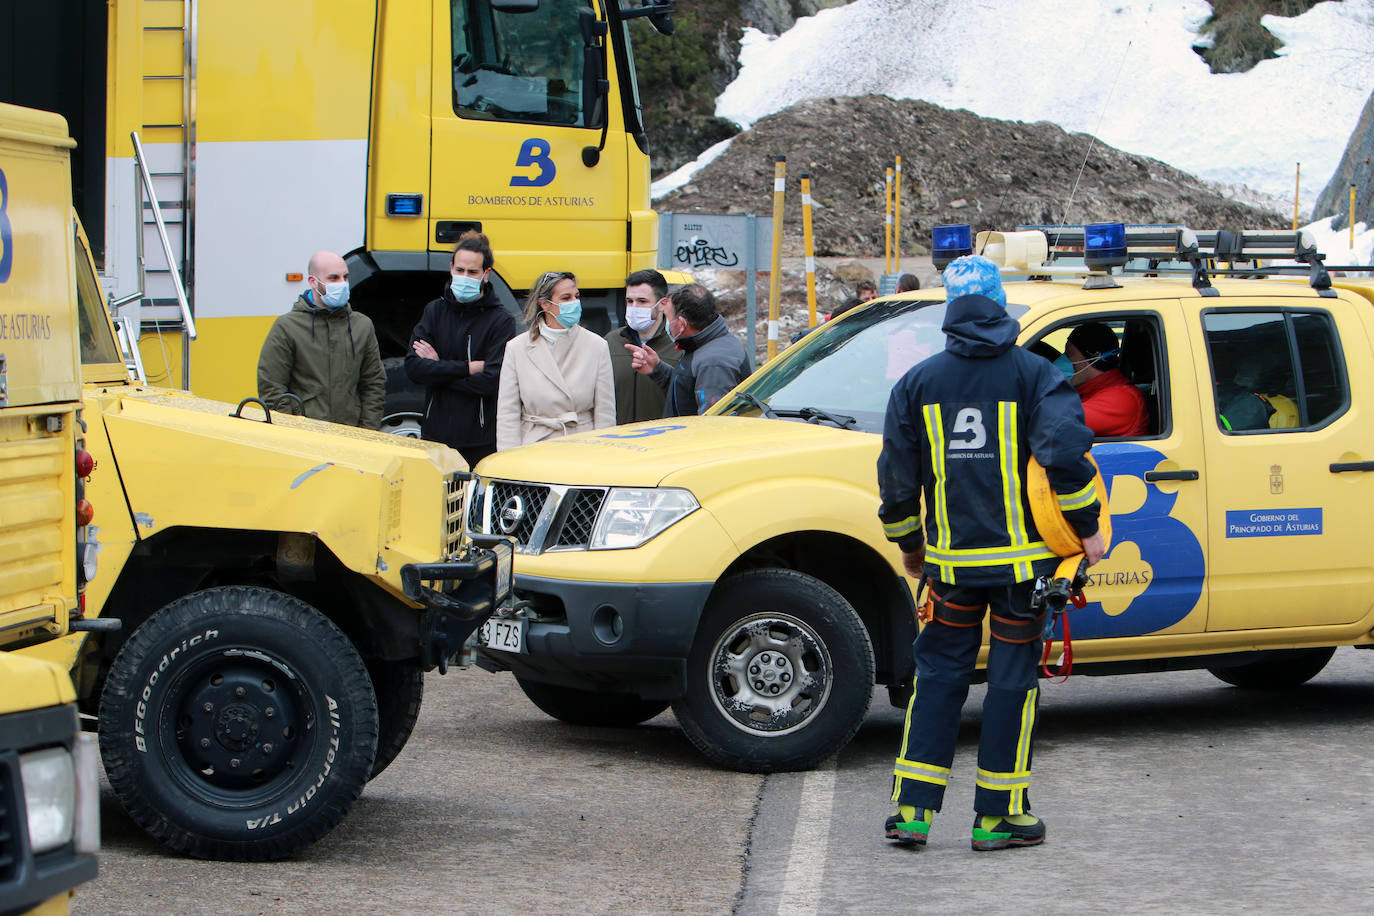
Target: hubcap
[
  {"x": 234, "y": 721},
  {"x": 770, "y": 674}
]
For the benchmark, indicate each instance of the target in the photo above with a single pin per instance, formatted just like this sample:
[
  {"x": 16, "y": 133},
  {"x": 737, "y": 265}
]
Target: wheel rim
[
  {"x": 402, "y": 424},
  {"x": 770, "y": 674},
  {"x": 235, "y": 725}
]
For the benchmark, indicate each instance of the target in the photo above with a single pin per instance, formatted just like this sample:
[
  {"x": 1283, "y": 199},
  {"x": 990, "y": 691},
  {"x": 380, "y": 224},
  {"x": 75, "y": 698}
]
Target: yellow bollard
[
  {"x": 1297, "y": 186},
  {"x": 775, "y": 275},
  {"x": 809, "y": 251},
  {"x": 897, "y": 220},
  {"x": 887, "y": 225},
  {"x": 1352, "y": 218}
]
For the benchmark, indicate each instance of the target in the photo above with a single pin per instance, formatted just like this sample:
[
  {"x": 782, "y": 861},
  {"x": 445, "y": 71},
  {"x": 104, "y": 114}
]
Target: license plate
[{"x": 504, "y": 634}]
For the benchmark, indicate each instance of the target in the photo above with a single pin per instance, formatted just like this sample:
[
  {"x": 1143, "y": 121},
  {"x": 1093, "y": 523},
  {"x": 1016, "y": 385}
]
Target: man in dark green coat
[{"x": 325, "y": 353}]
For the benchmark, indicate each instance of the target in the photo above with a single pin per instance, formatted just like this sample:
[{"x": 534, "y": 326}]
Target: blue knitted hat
[{"x": 974, "y": 275}]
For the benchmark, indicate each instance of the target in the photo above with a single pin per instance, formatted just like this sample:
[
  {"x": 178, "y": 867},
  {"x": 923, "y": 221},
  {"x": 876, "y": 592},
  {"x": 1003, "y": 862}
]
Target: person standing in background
[
  {"x": 325, "y": 353},
  {"x": 556, "y": 377},
  {"x": 646, "y": 294},
  {"x": 456, "y": 352}
]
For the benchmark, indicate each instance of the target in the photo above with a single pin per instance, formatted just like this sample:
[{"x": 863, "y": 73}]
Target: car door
[
  {"x": 1288, "y": 485},
  {"x": 1151, "y": 580}
]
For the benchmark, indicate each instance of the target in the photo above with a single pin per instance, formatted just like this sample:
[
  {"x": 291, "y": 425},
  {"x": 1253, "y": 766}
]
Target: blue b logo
[
  {"x": 534, "y": 152},
  {"x": 6, "y": 234}
]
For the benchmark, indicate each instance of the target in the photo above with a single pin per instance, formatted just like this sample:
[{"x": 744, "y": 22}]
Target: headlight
[
  {"x": 50, "y": 796},
  {"x": 631, "y": 515}
]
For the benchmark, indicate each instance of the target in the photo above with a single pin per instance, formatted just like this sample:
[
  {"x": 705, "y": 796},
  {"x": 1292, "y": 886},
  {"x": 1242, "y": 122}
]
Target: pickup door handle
[
  {"x": 1340, "y": 467},
  {"x": 1152, "y": 476}
]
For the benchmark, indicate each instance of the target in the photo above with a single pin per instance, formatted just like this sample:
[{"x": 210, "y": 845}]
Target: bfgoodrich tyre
[
  {"x": 780, "y": 675},
  {"x": 400, "y": 688},
  {"x": 238, "y": 723}
]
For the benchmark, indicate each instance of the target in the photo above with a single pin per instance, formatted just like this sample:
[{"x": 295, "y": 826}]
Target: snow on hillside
[{"x": 1122, "y": 70}]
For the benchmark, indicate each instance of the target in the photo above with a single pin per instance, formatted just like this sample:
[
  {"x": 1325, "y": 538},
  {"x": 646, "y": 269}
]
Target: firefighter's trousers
[{"x": 945, "y": 658}]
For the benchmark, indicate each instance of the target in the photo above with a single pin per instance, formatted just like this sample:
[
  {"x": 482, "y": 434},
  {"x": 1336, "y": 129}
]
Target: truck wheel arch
[{"x": 862, "y": 577}]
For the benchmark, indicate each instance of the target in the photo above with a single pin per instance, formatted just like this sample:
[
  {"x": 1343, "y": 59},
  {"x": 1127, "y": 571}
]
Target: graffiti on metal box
[{"x": 699, "y": 252}]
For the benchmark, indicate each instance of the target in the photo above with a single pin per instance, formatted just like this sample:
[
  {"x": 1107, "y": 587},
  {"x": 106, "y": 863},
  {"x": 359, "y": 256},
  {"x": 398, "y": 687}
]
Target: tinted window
[
  {"x": 1274, "y": 370},
  {"x": 523, "y": 67}
]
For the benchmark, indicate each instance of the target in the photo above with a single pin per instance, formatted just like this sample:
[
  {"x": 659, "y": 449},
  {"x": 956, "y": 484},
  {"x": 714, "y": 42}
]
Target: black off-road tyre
[
  {"x": 780, "y": 676},
  {"x": 587, "y": 707},
  {"x": 238, "y": 723},
  {"x": 1277, "y": 670},
  {"x": 400, "y": 689}
]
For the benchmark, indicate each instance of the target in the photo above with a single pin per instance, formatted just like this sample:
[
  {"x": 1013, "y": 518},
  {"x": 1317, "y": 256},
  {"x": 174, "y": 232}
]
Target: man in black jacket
[
  {"x": 646, "y": 325},
  {"x": 960, "y": 429},
  {"x": 456, "y": 352},
  {"x": 714, "y": 360}
]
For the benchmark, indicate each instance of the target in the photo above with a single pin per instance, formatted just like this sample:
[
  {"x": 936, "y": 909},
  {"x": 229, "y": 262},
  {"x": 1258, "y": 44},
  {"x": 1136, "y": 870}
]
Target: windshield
[{"x": 848, "y": 368}]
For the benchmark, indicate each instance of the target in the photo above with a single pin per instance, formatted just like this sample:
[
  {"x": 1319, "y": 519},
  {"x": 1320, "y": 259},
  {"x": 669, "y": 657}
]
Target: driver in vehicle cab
[{"x": 1112, "y": 406}]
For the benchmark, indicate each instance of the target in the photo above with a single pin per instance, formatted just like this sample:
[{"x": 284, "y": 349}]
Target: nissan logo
[{"x": 510, "y": 514}]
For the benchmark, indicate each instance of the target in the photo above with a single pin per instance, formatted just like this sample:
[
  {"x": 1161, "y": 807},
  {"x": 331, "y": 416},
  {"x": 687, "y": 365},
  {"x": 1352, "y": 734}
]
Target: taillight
[
  {"x": 84, "y": 512},
  {"x": 84, "y": 463}
]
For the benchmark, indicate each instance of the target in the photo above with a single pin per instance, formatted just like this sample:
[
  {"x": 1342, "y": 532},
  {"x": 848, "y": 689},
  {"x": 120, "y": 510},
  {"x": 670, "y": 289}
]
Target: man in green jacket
[{"x": 325, "y": 353}]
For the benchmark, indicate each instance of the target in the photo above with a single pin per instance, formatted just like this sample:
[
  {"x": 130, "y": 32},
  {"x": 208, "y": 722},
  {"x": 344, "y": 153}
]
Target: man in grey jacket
[
  {"x": 324, "y": 353},
  {"x": 713, "y": 359}
]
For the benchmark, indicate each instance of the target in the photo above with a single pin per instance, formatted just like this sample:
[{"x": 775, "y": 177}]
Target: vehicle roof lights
[
  {"x": 950, "y": 242},
  {"x": 1104, "y": 245}
]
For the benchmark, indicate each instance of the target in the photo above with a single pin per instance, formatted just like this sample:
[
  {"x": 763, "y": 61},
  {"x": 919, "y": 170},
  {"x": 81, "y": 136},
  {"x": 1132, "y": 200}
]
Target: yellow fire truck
[
  {"x": 49, "y": 804},
  {"x": 381, "y": 129}
]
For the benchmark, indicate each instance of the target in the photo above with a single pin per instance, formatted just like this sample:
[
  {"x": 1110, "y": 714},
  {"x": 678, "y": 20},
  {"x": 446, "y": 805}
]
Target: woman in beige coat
[{"x": 556, "y": 377}]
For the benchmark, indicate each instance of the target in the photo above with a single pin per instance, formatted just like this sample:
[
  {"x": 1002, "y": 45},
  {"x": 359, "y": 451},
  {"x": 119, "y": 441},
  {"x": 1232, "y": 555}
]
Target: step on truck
[
  {"x": 281, "y": 586},
  {"x": 49, "y": 795},
  {"x": 732, "y": 565}
]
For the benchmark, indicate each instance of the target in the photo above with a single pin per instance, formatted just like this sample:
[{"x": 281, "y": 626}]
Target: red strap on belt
[{"x": 1078, "y": 599}]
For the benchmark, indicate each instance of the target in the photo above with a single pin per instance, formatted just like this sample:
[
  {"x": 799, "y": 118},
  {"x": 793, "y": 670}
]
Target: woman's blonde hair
[{"x": 541, "y": 290}]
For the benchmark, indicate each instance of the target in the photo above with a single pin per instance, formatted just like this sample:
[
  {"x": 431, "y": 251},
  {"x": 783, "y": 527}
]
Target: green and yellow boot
[
  {"x": 909, "y": 826},
  {"x": 1006, "y": 831}
]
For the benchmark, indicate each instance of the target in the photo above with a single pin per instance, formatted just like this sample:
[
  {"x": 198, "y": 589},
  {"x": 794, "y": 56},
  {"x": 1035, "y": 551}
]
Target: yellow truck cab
[
  {"x": 49, "y": 797},
  {"x": 378, "y": 129},
  {"x": 733, "y": 564},
  {"x": 271, "y": 590}
]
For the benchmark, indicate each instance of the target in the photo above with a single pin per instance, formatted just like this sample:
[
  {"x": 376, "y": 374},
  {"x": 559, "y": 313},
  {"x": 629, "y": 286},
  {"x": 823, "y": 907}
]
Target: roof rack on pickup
[{"x": 1202, "y": 250}]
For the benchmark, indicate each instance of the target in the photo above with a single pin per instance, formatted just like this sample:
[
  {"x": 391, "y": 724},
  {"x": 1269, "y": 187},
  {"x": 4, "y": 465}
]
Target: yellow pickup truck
[
  {"x": 733, "y": 564},
  {"x": 49, "y": 799}
]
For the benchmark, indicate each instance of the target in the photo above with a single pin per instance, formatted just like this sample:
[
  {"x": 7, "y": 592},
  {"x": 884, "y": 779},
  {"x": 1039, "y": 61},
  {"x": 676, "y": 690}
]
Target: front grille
[
  {"x": 513, "y": 509},
  {"x": 537, "y": 517},
  {"x": 580, "y": 517},
  {"x": 453, "y": 514}
]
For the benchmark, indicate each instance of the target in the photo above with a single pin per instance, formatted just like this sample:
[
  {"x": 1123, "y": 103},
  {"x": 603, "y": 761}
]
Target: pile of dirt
[{"x": 957, "y": 168}]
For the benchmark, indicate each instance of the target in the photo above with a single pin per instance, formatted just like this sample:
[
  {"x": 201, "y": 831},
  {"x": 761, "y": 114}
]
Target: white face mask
[{"x": 639, "y": 318}]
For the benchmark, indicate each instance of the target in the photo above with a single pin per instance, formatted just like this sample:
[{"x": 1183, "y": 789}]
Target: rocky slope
[{"x": 958, "y": 168}]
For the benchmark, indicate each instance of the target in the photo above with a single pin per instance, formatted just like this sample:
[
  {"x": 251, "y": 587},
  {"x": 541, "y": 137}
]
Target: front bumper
[
  {"x": 471, "y": 586},
  {"x": 623, "y": 637}
]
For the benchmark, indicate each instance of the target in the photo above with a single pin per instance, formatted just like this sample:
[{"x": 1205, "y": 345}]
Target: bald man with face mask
[{"x": 324, "y": 353}]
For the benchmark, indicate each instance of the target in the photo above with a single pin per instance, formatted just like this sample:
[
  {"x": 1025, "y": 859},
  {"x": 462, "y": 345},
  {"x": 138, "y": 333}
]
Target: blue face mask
[
  {"x": 570, "y": 313},
  {"x": 465, "y": 288},
  {"x": 335, "y": 296},
  {"x": 1063, "y": 364}
]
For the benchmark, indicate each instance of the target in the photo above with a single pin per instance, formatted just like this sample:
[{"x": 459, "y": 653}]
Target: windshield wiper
[
  {"x": 749, "y": 399},
  {"x": 815, "y": 415}
]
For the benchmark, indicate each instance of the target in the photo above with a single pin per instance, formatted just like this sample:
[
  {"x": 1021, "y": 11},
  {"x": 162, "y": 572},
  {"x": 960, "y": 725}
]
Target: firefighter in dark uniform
[{"x": 960, "y": 429}]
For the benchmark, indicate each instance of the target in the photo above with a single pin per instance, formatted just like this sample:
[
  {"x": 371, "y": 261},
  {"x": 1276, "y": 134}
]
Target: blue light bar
[
  {"x": 948, "y": 243},
  {"x": 1104, "y": 245},
  {"x": 405, "y": 204}
]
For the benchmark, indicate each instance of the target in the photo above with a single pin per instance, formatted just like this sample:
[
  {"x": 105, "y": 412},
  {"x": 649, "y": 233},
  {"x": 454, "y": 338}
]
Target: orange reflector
[
  {"x": 294, "y": 278},
  {"x": 84, "y": 512}
]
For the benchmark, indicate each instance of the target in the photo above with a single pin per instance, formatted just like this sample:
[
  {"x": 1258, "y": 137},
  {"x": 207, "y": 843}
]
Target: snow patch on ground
[
  {"x": 681, "y": 176},
  {"x": 1124, "y": 71}
]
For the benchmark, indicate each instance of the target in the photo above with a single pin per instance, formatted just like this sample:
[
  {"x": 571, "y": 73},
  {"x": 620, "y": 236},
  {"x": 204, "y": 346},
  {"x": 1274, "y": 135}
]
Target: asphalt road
[{"x": 1162, "y": 793}]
